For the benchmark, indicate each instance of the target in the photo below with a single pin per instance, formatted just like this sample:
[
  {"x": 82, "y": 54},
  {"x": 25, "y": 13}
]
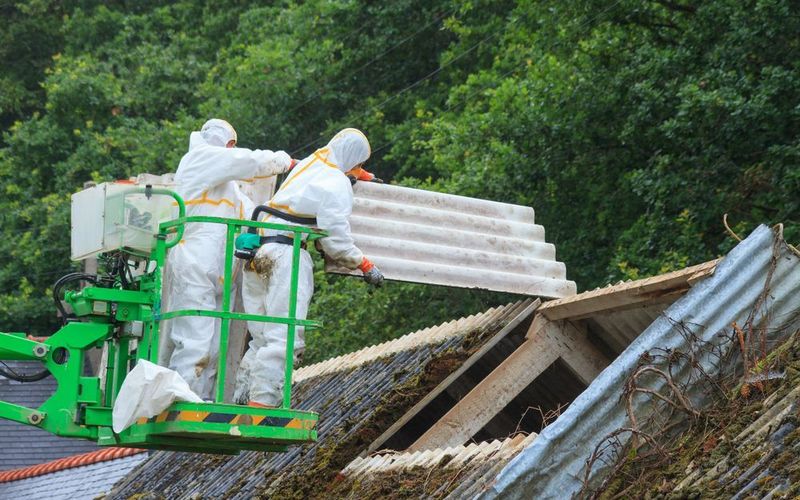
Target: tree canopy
[{"x": 630, "y": 126}]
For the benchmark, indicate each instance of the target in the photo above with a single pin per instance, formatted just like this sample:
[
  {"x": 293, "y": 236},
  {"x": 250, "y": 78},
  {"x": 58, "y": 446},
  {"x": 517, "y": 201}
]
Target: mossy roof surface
[{"x": 355, "y": 406}]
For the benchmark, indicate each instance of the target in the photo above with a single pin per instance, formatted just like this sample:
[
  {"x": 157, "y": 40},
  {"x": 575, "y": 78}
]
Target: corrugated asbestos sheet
[
  {"x": 764, "y": 457},
  {"x": 758, "y": 280},
  {"x": 431, "y": 335},
  {"x": 442, "y": 239},
  {"x": 356, "y": 402},
  {"x": 455, "y": 472}
]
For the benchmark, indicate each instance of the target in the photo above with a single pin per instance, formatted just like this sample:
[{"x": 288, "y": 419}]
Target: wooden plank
[
  {"x": 526, "y": 309},
  {"x": 546, "y": 342},
  {"x": 494, "y": 392},
  {"x": 580, "y": 355},
  {"x": 624, "y": 294}
]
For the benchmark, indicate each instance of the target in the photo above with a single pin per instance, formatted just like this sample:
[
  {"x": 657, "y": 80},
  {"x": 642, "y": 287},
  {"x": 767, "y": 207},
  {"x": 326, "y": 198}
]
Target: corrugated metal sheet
[
  {"x": 356, "y": 402},
  {"x": 553, "y": 466},
  {"x": 443, "y": 239}
]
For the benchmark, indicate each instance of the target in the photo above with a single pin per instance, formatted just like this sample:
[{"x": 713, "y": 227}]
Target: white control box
[{"x": 116, "y": 215}]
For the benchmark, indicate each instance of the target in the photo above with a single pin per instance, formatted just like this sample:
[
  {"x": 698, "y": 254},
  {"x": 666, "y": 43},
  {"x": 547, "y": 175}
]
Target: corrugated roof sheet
[
  {"x": 443, "y": 239},
  {"x": 553, "y": 465},
  {"x": 431, "y": 335},
  {"x": 437, "y": 473},
  {"x": 24, "y": 445},
  {"x": 763, "y": 458},
  {"x": 356, "y": 402}
]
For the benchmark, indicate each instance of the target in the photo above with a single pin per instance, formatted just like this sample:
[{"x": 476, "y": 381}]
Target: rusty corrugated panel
[{"x": 442, "y": 239}]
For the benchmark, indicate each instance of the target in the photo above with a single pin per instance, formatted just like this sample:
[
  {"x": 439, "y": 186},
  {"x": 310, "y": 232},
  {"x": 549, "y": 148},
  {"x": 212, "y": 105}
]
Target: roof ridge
[
  {"x": 424, "y": 336},
  {"x": 70, "y": 462}
]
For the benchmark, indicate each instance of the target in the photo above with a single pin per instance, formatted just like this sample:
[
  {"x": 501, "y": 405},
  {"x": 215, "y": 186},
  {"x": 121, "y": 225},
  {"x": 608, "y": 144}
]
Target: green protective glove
[
  {"x": 247, "y": 241},
  {"x": 246, "y": 245}
]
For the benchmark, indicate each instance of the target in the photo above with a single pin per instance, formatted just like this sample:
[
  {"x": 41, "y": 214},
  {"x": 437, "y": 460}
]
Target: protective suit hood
[
  {"x": 349, "y": 148},
  {"x": 218, "y": 132},
  {"x": 196, "y": 140}
]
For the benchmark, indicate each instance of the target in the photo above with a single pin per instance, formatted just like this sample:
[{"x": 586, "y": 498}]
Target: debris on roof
[
  {"x": 444, "y": 239},
  {"x": 357, "y": 402},
  {"x": 87, "y": 475},
  {"x": 748, "y": 445},
  {"x": 755, "y": 288}
]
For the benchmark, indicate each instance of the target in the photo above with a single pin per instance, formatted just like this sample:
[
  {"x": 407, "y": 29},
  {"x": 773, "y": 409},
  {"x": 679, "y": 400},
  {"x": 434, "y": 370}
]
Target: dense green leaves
[{"x": 631, "y": 127}]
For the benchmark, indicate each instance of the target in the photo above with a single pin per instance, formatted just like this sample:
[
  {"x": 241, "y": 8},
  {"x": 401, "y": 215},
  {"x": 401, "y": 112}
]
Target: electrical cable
[
  {"x": 501, "y": 77},
  {"x": 377, "y": 58},
  {"x": 411, "y": 86},
  {"x": 59, "y": 284}
]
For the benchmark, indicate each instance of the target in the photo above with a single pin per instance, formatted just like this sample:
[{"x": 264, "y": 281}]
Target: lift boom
[{"x": 124, "y": 316}]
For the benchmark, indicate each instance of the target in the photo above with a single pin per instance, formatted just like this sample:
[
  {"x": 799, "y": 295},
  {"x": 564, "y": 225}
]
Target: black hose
[
  {"x": 21, "y": 377},
  {"x": 306, "y": 221},
  {"x": 59, "y": 284}
]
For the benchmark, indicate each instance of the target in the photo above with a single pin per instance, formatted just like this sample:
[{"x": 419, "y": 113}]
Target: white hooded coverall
[
  {"x": 316, "y": 187},
  {"x": 205, "y": 180}
]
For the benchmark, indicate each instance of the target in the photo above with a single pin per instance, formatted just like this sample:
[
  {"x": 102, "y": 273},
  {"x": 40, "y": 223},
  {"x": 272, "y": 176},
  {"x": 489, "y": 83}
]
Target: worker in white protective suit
[
  {"x": 206, "y": 181},
  {"x": 318, "y": 187}
]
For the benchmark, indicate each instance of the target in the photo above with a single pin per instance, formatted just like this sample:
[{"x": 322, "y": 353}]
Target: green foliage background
[{"x": 630, "y": 126}]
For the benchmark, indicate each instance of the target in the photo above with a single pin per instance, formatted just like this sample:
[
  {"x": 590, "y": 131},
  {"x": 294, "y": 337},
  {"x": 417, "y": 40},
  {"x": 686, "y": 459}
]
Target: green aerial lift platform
[{"x": 122, "y": 312}]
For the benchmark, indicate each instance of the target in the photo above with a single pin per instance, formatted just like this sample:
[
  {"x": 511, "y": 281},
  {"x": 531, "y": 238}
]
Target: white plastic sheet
[{"x": 148, "y": 390}]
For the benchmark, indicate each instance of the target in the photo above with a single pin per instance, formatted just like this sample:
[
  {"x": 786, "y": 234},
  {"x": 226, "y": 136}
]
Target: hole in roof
[{"x": 539, "y": 403}]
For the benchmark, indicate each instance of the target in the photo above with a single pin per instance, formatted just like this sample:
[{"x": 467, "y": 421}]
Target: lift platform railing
[
  {"x": 126, "y": 319},
  {"x": 226, "y": 315}
]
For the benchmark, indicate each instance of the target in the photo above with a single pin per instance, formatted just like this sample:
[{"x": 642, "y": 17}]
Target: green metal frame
[{"x": 116, "y": 317}]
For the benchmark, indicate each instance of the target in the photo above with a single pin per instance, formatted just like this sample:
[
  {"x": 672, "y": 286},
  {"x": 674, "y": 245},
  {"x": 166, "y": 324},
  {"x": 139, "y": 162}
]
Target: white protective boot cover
[{"x": 148, "y": 390}]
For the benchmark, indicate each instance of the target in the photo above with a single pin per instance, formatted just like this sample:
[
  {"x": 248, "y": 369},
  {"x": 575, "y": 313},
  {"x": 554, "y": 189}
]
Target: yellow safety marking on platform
[
  {"x": 162, "y": 417},
  {"x": 295, "y": 423},
  {"x": 193, "y": 416}
]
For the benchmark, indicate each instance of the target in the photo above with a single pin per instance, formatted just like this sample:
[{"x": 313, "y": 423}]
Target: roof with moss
[{"x": 358, "y": 397}]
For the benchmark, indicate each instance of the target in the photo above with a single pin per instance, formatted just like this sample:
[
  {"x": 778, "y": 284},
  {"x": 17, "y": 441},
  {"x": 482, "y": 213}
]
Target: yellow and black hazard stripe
[{"x": 229, "y": 418}]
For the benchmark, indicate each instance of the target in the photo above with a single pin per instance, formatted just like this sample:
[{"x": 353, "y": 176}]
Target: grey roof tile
[
  {"x": 88, "y": 481},
  {"x": 24, "y": 445}
]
